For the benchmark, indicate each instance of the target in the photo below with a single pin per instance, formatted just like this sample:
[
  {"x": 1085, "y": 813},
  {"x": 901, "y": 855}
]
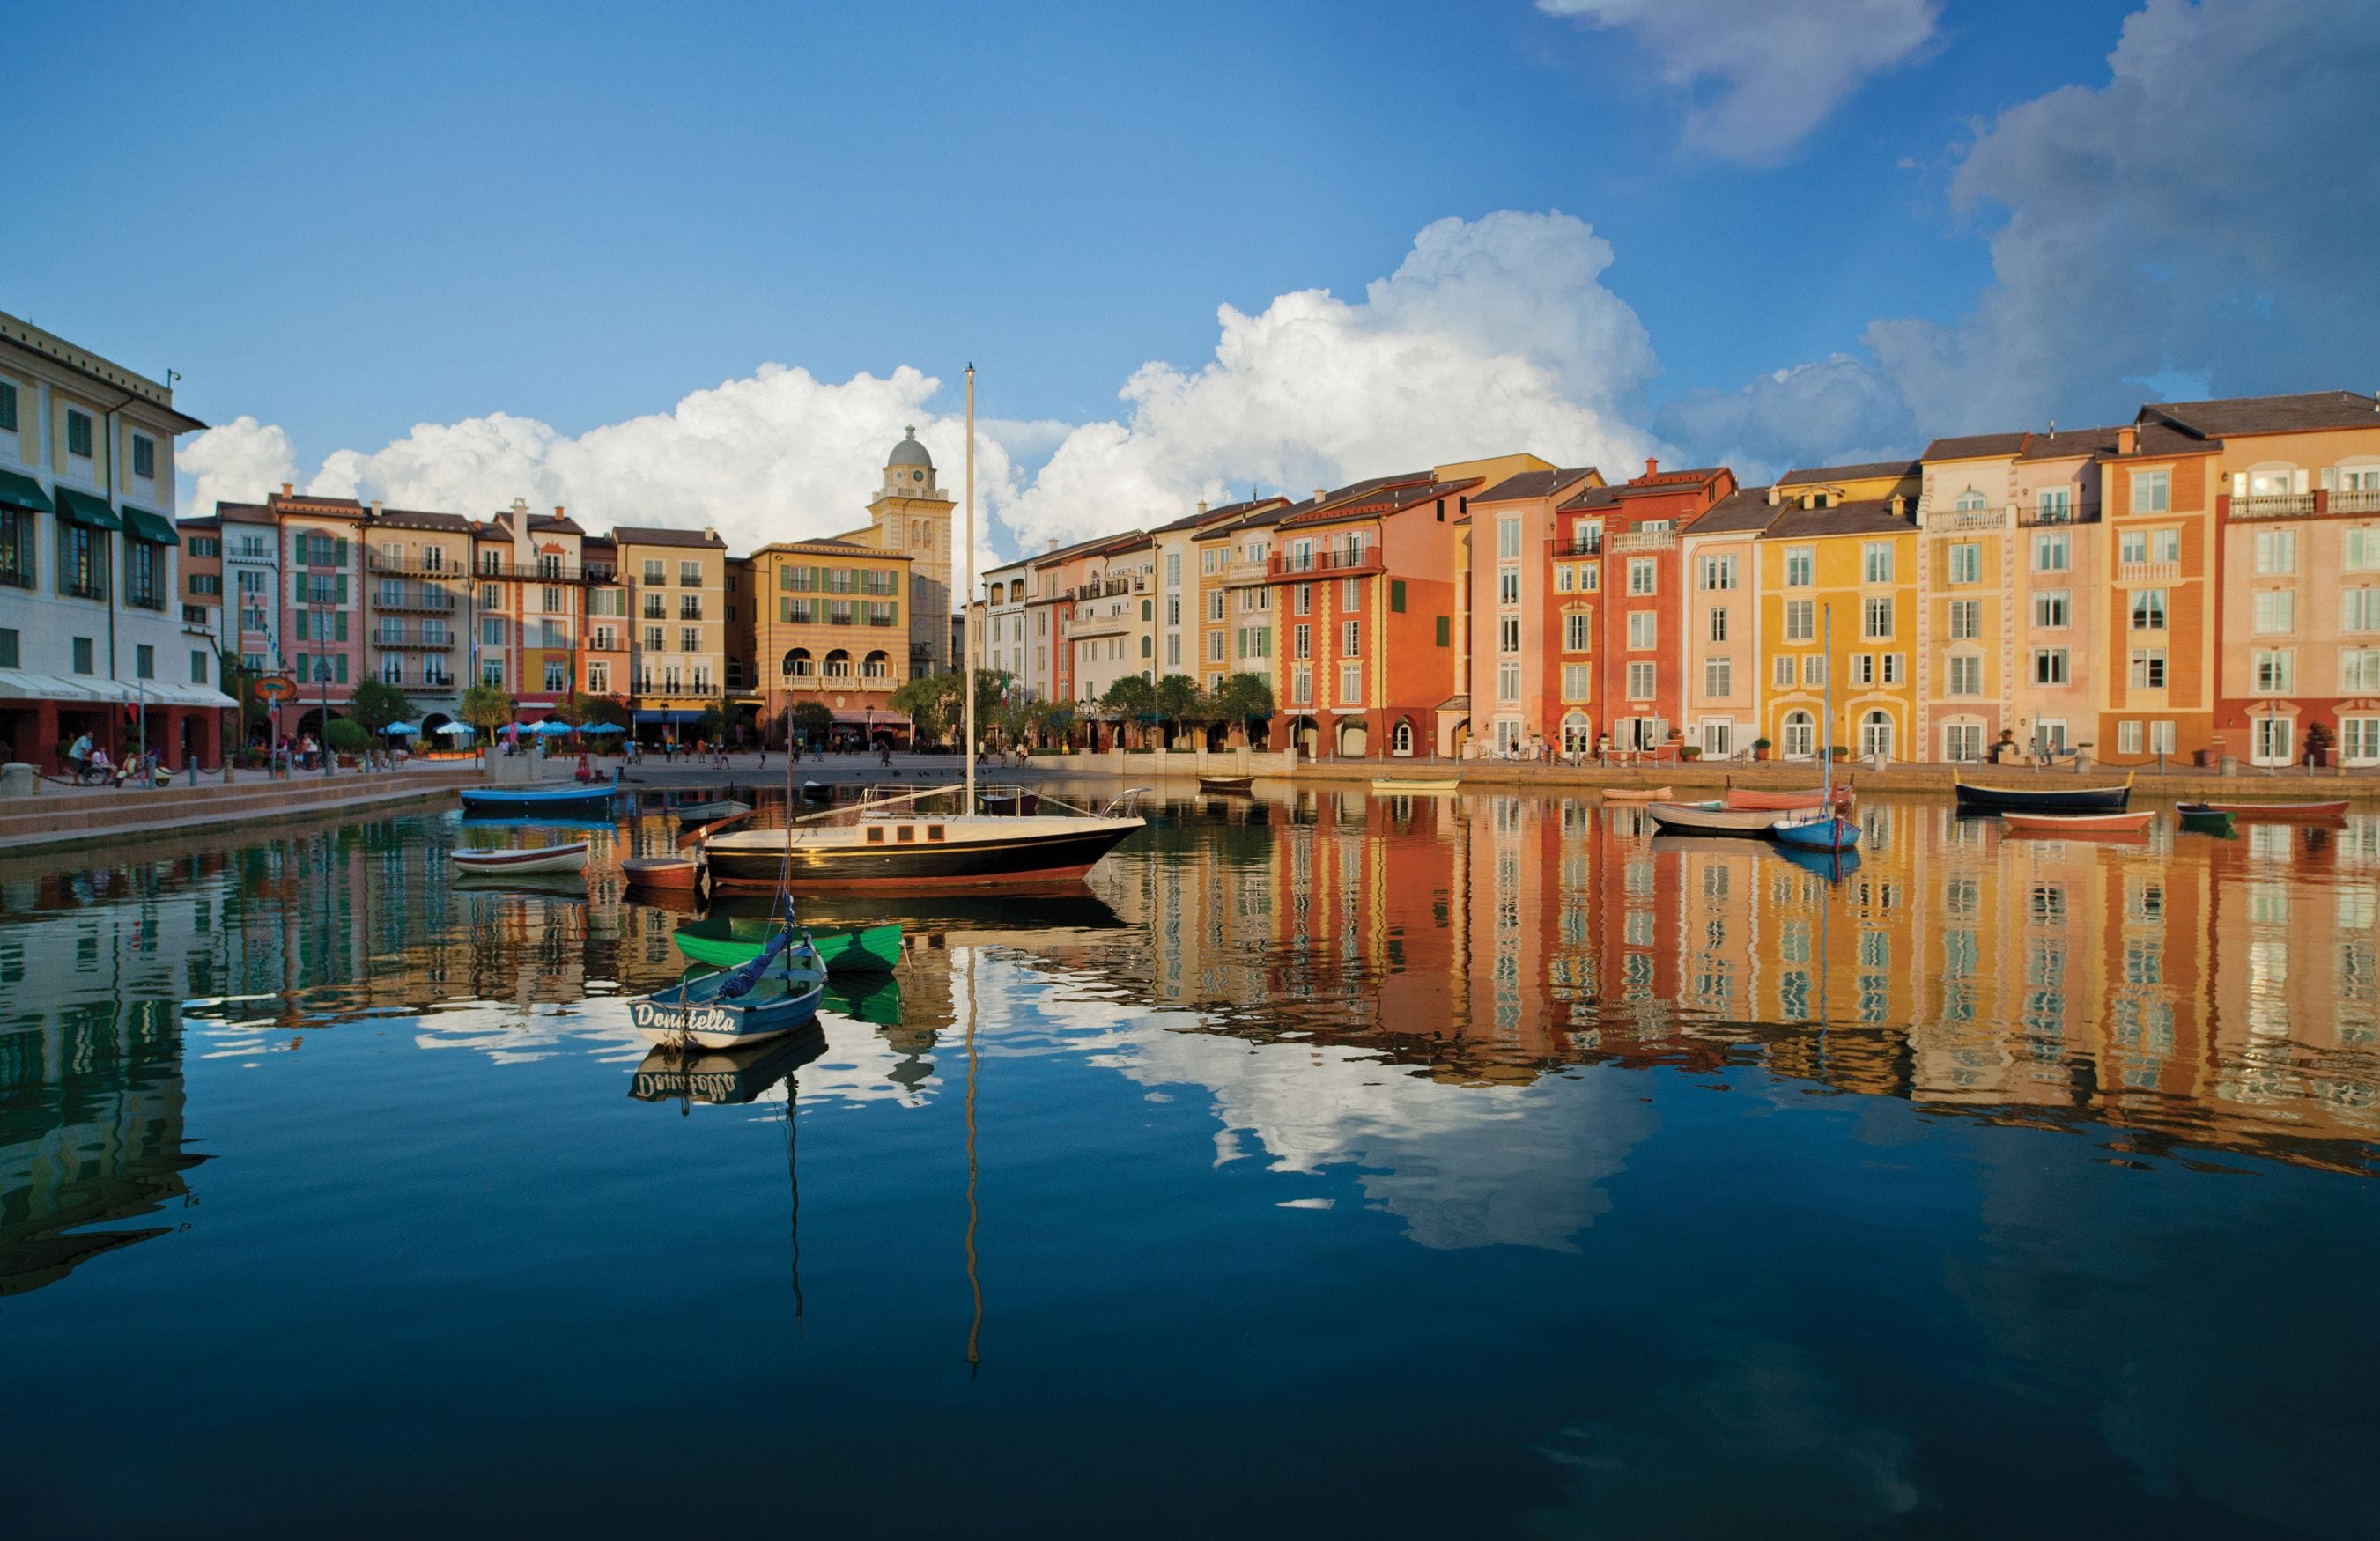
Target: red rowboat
[
  {"x": 1813, "y": 800},
  {"x": 2078, "y": 823},
  {"x": 2307, "y": 811},
  {"x": 679, "y": 872}
]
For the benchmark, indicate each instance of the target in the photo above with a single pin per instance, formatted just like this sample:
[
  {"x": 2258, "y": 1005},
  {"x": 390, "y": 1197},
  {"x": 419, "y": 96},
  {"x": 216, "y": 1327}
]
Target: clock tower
[{"x": 912, "y": 515}]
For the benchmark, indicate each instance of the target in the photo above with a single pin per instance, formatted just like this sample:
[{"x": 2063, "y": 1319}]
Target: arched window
[
  {"x": 1577, "y": 735},
  {"x": 797, "y": 664},
  {"x": 876, "y": 666},
  {"x": 1147, "y": 645},
  {"x": 1149, "y": 610},
  {"x": 1401, "y": 741},
  {"x": 1876, "y": 736},
  {"x": 1968, "y": 501},
  {"x": 1801, "y": 735},
  {"x": 838, "y": 665}
]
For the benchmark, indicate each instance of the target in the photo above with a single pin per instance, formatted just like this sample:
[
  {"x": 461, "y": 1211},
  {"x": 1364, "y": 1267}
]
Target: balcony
[
  {"x": 1970, "y": 518},
  {"x": 815, "y": 684},
  {"x": 1099, "y": 625},
  {"x": 2276, "y": 505},
  {"x": 1581, "y": 545},
  {"x": 436, "y": 601},
  {"x": 411, "y": 567},
  {"x": 1240, "y": 572},
  {"x": 2133, "y": 574},
  {"x": 2059, "y": 514},
  {"x": 516, "y": 571},
  {"x": 398, "y": 636},
  {"x": 1646, "y": 540},
  {"x": 1346, "y": 561},
  {"x": 2354, "y": 499}
]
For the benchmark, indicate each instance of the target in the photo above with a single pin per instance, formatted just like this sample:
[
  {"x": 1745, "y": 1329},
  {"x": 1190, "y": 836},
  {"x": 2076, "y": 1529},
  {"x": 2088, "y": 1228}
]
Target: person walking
[{"x": 78, "y": 756}]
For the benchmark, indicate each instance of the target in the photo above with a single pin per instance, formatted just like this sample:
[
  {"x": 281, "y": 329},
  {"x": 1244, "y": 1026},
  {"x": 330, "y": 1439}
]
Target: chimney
[
  {"x": 1320, "y": 493},
  {"x": 1899, "y": 505},
  {"x": 520, "y": 509},
  {"x": 2128, "y": 439},
  {"x": 375, "y": 508},
  {"x": 1202, "y": 505},
  {"x": 1776, "y": 496},
  {"x": 1652, "y": 467},
  {"x": 709, "y": 532},
  {"x": 558, "y": 513},
  {"x": 289, "y": 489},
  {"x": 1053, "y": 544},
  {"x": 1808, "y": 498}
]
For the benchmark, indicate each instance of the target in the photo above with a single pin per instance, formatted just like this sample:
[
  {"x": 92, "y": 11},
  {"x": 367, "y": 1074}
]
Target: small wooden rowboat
[
  {"x": 537, "y": 858},
  {"x": 707, "y": 813},
  {"x": 1713, "y": 818},
  {"x": 1228, "y": 786},
  {"x": 1432, "y": 784},
  {"x": 2293, "y": 812},
  {"x": 2042, "y": 796},
  {"x": 1637, "y": 794},
  {"x": 1791, "y": 802},
  {"x": 2078, "y": 823},
  {"x": 2199, "y": 819},
  {"x": 1817, "y": 832},
  {"x": 697, "y": 1011},
  {"x": 818, "y": 792},
  {"x": 556, "y": 802},
  {"x": 674, "y": 872}
]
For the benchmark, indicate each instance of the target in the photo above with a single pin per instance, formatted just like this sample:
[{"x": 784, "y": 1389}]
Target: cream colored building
[
  {"x": 676, "y": 581},
  {"x": 911, "y": 518}
]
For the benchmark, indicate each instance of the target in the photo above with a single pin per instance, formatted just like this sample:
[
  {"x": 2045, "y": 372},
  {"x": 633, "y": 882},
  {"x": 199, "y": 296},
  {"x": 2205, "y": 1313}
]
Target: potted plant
[
  {"x": 1838, "y": 752},
  {"x": 1760, "y": 747},
  {"x": 350, "y": 738},
  {"x": 2319, "y": 741},
  {"x": 1691, "y": 751}
]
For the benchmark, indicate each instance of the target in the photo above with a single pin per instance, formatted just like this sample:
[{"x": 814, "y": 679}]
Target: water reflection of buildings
[{"x": 2186, "y": 989}]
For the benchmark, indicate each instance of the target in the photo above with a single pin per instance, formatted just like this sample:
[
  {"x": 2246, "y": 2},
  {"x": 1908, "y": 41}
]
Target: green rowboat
[{"x": 725, "y": 941}]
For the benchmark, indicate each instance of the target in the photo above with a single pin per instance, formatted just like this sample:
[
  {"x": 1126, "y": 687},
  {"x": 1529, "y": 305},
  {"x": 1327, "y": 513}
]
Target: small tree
[
  {"x": 1177, "y": 699},
  {"x": 810, "y": 719},
  {"x": 1245, "y": 699},
  {"x": 376, "y": 704},
  {"x": 931, "y": 702},
  {"x": 347, "y": 736},
  {"x": 1133, "y": 701},
  {"x": 486, "y": 708}
]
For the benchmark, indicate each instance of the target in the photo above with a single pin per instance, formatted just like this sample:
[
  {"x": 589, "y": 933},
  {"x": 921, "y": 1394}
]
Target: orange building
[{"x": 1521, "y": 589}]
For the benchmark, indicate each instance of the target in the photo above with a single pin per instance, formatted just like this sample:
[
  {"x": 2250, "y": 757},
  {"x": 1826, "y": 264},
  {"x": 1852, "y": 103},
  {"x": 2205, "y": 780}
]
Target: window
[
  {"x": 1590, "y": 578},
  {"x": 2358, "y": 737},
  {"x": 1718, "y": 623},
  {"x": 1800, "y": 736},
  {"x": 144, "y": 661},
  {"x": 599, "y": 678},
  {"x": 1577, "y": 681},
  {"x": 2359, "y": 610},
  {"x": 1214, "y": 647},
  {"x": 1508, "y": 535},
  {"x": 2150, "y": 490},
  {"x": 1565, "y": 578},
  {"x": 2276, "y": 550},
  {"x": 2362, "y": 548},
  {"x": 144, "y": 457},
  {"x": 1301, "y": 685},
  {"x": 1876, "y": 736},
  {"x": 11, "y": 648},
  {"x": 8, "y": 407},
  {"x": 553, "y": 675},
  {"x": 82, "y": 562},
  {"x": 1966, "y": 620},
  {"x": 1350, "y": 641},
  {"x": 2148, "y": 610},
  {"x": 2049, "y": 666},
  {"x": 1966, "y": 562},
  {"x": 2128, "y": 738},
  {"x": 1641, "y": 678},
  {"x": 1876, "y": 561},
  {"x": 1718, "y": 678},
  {"x": 1215, "y": 605},
  {"x": 1351, "y": 593},
  {"x": 2276, "y": 610},
  {"x": 492, "y": 671},
  {"x": 1643, "y": 629},
  {"x": 78, "y": 433},
  {"x": 689, "y": 575},
  {"x": 1508, "y": 585},
  {"x": 1351, "y": 683},
  {"x": 1894, "y": 671},
  {"x": 2148, "y": 668},
  {"x": 689, "y": 639},
  {"x": 1862, "y": 669},
  {"x": 656, "y": 572},
  {"x": 1507, "y": 682},
  {"x": 1814, "y": 670},
  {"x": 1643, "y": 575},
  {"x": 1173, "y": 569},
  {"x": 491, "y": 631},
  {"x": 1800, "y": 566},
  {"x": 1718, "y": 572},
  {"x": 1301, "y": 642},
  {"x": 198, "y": 666},
  {"x": 2358, "y": 671},
  {"x": 16, "y": 547},
  {"x": 1781, "y": 673},
  {"x": 1396, "y": 596},
  {"x": 2052, "y": 553},
  {"x": 2275, "y": 670},
  {"x": 1576, "y": 630},
  {"x": 1966, "y": 674},
  {"x": 1801, "y": 620},
  {"x": 1963, "y": 741},
  {"x": 2053, "y": 505},
  {"x": 2052, "y": 608},
  {"x": 82, "y": 655},
  {"x": 1876, "y": 619}
]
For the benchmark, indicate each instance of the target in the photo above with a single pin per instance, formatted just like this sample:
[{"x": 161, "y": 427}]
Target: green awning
[
  {"x": 155, "y": 529},
  {"x": 84, "y": 509},
  {"x": 23, "y": 491}
]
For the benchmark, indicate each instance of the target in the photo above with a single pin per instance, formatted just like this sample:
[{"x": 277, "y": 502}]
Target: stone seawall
[{"x": 61, "y": 817}]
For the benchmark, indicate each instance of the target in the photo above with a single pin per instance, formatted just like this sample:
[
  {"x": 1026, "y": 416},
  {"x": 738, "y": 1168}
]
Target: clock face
[{"x": 917, "y": 476}]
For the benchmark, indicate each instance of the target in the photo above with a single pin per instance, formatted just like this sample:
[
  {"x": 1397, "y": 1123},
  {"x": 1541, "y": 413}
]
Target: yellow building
[
  {"x": 828, "y": 627},
  {"x": 676, "y": 581},
  {"x": 910, "y": 517},
  {"x": 1843, "y": 550}
]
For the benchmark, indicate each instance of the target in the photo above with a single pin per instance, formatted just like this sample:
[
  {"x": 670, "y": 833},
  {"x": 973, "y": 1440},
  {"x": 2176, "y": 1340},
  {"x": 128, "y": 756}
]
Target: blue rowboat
[
  {"x": 700, "y": 1010},
  {"x": 558, "y": 802},
  {"x": 1817, "y": 834}
]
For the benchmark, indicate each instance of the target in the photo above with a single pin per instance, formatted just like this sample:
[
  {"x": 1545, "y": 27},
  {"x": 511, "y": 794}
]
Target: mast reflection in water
[{"x": 1659, "y": 1186}]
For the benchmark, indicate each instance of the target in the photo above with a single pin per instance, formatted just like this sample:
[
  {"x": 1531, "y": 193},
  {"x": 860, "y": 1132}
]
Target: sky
[{"x": 701, "y": 264}]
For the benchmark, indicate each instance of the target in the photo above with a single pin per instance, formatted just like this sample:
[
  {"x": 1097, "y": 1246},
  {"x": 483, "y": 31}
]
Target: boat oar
[{"x": 696, "y": 835}]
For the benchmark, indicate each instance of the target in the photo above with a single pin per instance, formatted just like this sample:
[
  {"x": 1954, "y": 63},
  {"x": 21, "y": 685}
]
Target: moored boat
[
  {"x": 725, "y": 941},
  {"x": 1822, "y": 831},
  {"x": 2042, "y": 799},
  {"x": 1712, "y": 818},
  {"x": 765, "y": 999},
  {"x": 2078, "y": 823},
  {"x": 817, "y": 792},
  {"x": 724, "y": 1076},
  {"x": 894, "y": 850},
  {"x": 1228, "y": 786},
  {"x": 1416, "y": 783},
  {"x": 2286, "y": 812},
  {"x": 709, "y": 813},
  {"x": 571, "y": 857},
  {"x": 669, "y": 872},
  {"x": 1809, "y": 801},
  {"x": 2199, "y": 819},
  {"x": 1638, "y": 793},
  {"x": 562, "y": 801}
]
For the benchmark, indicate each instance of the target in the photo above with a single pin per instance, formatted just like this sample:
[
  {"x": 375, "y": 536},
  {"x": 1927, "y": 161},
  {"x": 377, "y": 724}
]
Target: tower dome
[{"x": 908, "y": 452}]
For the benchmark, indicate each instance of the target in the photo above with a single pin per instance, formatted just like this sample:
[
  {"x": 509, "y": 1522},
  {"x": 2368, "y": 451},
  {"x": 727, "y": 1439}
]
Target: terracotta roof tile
[
  {"x": 2312, "y": 411},
  {"x": 1977, "y": 446},
  {"x": 1858, "y": 516},
  {"x": 1873, "y": 469},
  {"x": 1532, "y": 484},
  {"x": 1744, "y": 510},
  {"x": 655, "y": 534},
  {"x": 2067, "y": 442}
]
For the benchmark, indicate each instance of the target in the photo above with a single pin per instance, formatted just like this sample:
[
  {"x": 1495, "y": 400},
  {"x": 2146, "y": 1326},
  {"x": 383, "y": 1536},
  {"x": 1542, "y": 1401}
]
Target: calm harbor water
[{"x": 1333, "y": 1164}]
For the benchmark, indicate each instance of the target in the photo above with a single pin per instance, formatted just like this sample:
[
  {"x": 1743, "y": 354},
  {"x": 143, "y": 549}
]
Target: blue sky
[{"x": 346, "y": 223}]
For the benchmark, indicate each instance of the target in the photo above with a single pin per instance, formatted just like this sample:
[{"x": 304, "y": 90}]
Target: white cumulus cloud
[{"x": 1760, "y": 74}]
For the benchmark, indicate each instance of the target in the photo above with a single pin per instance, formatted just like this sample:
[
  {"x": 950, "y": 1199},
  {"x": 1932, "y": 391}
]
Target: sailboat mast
[
  {"x": 1826, "y": 706},
  {"x": 966, "y": 600}
]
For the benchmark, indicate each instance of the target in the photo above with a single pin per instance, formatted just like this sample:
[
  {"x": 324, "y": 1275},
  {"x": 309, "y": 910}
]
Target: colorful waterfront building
[
  {"x": 676, "y": 581},
  {"x": 419, "y": 605},
  {"x": 529, "y": 576},
  {"x": 1108, "y": 624},
  {"x": 2158, "y": 539},
  {"x": 1518, "y": 594},
  {"x": 322, "y": 602},
  {"x": 1236, "y": 618},
  {"x": 1636, "y": 654},
  {"x": 1837, "y": 594},
  {"x": 2296, "y": 485},
  {"x": 829, "y": 629},
  {"x": 1724, "y": 666},
  {"x": 607, "y": 656},
  {"x": 1001, "y": 623}
]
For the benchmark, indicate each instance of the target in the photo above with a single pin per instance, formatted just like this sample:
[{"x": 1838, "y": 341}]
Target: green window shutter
[
  {"x": 339, "y": 668},
  {"x": 784, "y": 607},
  {"x": 301, "y": 628},
  {"x": 341, "y": 596},
  {"x": 895, "y": 607},
  {"x": 339, "y": 621},
  {"x": 1397, "y": 595},
  {"x": 343, "y": 562},
  {"x": 1445, "y": 629}
]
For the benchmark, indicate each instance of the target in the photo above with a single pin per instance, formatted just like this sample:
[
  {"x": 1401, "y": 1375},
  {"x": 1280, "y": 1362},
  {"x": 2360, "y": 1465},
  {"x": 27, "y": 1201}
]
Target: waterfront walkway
[{"x": 63, "y": 817}]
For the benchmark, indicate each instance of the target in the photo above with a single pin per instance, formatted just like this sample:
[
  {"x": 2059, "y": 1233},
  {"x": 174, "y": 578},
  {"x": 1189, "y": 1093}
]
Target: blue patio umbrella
[
  {"x": 551, "y": 728},
  {"x": 400, "y": 727},
  {"x": 603, "y": 727}
]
